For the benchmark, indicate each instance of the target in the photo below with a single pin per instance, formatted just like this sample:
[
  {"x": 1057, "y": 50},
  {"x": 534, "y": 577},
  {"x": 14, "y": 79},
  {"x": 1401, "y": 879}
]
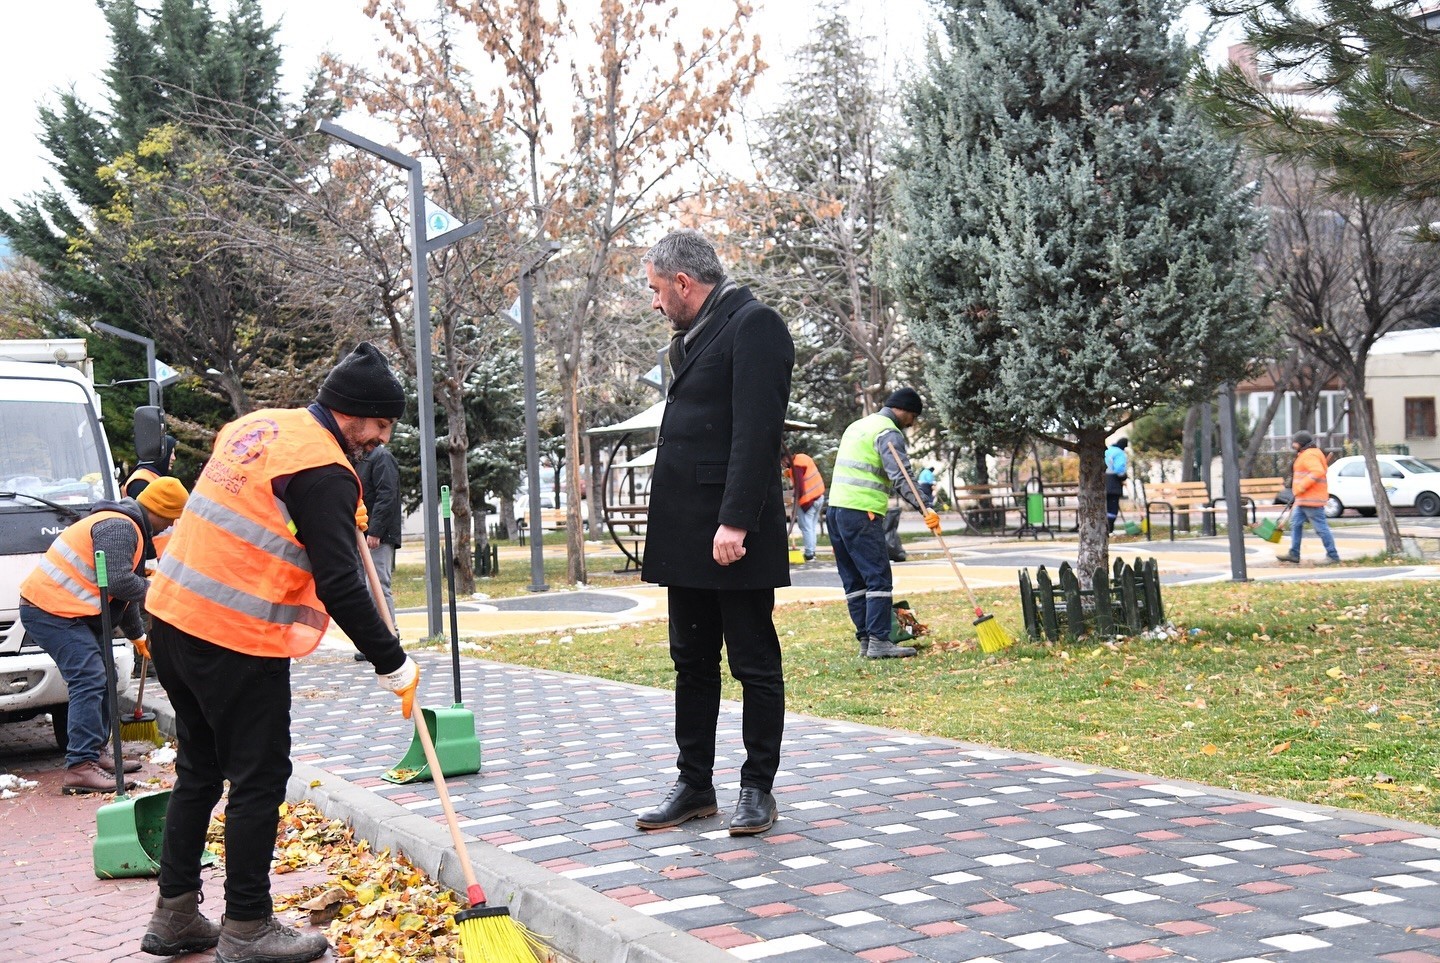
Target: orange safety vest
[
  {"x": 147, "y": 475},
  {"x": 65, "y": 583},
  {"x": 234, "y": 573},
  {"x": 810, "y": 476},
  {"x": 1309, "y": 481}
]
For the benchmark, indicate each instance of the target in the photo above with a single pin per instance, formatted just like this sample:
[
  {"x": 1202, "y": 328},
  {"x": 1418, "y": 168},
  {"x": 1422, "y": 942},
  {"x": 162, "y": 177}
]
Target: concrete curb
[{"x": 581, "y": 925}]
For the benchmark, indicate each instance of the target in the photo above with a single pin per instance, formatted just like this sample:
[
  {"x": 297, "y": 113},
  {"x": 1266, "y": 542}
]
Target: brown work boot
[
  {"x": 88, "y": 777},
  {"x": 177, "y": 926},
  {"x": 107, "y": 762},
  {"x": 267, "y": 941}
]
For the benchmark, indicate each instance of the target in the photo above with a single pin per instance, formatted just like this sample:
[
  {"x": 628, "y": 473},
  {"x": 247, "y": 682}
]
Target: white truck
[{"x": 54, "y": 465}]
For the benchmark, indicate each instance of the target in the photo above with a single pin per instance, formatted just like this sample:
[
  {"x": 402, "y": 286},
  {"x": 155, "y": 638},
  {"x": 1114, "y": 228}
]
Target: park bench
[
  {"x": 1255, "y": 493},
  {"x": 551, "y": 520},
  {"x": 626, "y": 525},
  {"x": 984, "y": 507},
  {"x": 1181, "y": 497}
]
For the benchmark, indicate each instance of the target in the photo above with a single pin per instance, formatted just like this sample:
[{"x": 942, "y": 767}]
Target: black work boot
[
  {"x": 267, "y": 941},
  {"x": 755, "y": 812},
  {"x": 177, "y": 926},
  {"x": 684, "y": 803}
]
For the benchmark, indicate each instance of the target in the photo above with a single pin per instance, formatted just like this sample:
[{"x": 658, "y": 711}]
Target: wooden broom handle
[
  {"x": 940, "y": 538},
  {"x": 377, "y": 594}
]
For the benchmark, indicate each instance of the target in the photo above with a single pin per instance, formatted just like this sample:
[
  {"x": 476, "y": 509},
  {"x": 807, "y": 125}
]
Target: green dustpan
[
  {"x": 129, "y": 835},
  {"x": 453, "y": 732}
]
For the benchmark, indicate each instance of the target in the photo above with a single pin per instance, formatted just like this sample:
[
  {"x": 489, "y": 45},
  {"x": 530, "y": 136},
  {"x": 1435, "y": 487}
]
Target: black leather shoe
[
  {"x": 684, "y": 802},
  {"x": 754, "y": 813}
]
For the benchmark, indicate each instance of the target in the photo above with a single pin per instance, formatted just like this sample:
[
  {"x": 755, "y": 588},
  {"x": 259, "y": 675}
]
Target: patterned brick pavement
[{"x": 893, "y": 846}]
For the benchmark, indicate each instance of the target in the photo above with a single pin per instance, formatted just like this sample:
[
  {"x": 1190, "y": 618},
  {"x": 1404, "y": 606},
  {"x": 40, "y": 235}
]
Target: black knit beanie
[
  {"x": 363, "y": 385},
  {"x": 1303, "y": 438},
  {"x": 905, "y": 399}
]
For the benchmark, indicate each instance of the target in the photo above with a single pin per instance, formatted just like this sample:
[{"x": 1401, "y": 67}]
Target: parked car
[{"x": 1409, "y": 483}]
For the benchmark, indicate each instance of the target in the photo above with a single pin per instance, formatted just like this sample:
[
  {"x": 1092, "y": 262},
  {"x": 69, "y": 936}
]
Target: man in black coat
[
  {"x": 380, "y": 492},
  {"x": 717, "y": 523}
]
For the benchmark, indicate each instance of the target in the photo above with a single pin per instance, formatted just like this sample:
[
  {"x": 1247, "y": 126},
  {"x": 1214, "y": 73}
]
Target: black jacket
[
  {"x": 380, "y": 490},
  {"x": 718, "y": 458}
]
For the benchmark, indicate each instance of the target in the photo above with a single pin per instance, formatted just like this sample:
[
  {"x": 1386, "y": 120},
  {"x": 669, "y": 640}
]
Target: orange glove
[
  {"x": 403, "y": 682},
  {"x": 362, "y": 517},
  {"x": 932, "y": 521},
  {"x": 142, "y": 646}
]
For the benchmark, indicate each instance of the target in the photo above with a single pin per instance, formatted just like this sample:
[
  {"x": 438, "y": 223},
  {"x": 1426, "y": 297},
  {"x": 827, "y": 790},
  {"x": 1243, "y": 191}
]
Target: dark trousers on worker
[
  {"x": 701, "y": 620},
  {"x": 232, "y": 717},
  {"x": 858, "y": 540}
]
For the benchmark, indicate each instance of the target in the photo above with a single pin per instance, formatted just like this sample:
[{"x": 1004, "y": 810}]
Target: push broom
[
  {"x": 488, "y": 934},
  {"x": 992, "y": 635}
]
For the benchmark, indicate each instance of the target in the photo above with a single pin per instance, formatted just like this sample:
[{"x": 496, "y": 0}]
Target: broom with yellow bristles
[
  {"x": 992, "y": 635},
  {"x": 141, "y": 726},
  {"x": 488, "y": 934}
]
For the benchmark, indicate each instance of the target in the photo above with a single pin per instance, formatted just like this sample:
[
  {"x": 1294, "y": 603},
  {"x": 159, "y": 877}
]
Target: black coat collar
[{"x": 724, "y": 311}]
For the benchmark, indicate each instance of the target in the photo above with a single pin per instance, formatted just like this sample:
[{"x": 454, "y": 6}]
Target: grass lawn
[{"x": 1321, "y": 693}]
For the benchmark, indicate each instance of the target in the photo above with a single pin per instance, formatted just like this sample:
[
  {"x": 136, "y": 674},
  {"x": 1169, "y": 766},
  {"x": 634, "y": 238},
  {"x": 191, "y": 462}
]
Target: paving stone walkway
[{"x": 893, "y": 846}]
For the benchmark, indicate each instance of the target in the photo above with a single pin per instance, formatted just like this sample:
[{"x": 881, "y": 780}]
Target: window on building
[{"x": 1419, "y": 417}]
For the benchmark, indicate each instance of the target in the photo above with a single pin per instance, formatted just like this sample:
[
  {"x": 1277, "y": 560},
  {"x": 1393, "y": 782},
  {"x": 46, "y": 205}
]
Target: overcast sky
[{"x": 56, "y": 44}]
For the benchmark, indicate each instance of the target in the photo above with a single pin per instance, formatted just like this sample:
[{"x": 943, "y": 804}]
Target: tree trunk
[
  {"x": 1365, "y": 436},
  {"x": 1090, "y": 514},
  {"x": 574, "y": 533},
  {"x": 592, "y": 497},
  {"x": 457, "y": 445},
  {"x": 1189, "y": 467}
]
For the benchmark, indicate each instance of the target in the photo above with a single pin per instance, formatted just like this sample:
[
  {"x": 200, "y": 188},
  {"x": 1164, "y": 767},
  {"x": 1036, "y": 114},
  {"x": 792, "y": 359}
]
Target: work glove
[
  {"x": 142, "y": 646},
  {"x": 403, "y": 682},
  {"x": 932, "y": 521},
  {"x": 362, "y": 517}
]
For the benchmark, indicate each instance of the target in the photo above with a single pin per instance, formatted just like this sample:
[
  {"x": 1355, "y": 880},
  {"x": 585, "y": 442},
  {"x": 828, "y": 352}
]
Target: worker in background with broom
[
  {"x": 870, "y": 464},
  {"x": 60, "y": 609},
  {"x": 254, "y": 573}
]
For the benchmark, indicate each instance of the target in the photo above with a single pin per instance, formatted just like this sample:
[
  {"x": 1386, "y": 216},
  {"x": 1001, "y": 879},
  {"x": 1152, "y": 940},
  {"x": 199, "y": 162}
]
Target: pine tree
[
  {"x": 1077, "y": 249},
  {"x": 175, "y": 63}
]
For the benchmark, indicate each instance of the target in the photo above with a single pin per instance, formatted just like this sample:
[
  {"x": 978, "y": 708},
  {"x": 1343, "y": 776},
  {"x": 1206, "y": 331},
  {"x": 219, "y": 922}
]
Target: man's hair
[{"x": 686, "y": 251}]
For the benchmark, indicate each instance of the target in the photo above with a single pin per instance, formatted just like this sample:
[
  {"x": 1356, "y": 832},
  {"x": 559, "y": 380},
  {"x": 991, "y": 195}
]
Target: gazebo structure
[{"x": 625, "y": 487}]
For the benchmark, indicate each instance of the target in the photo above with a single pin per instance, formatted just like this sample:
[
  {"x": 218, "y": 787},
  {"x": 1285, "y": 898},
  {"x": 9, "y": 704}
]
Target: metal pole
[
  {"x": 532, "y": 435},
  {"x": 149, "y": 344},
  {"x": 425, "y": 393},
  {"x": 1230, "y": 470}
]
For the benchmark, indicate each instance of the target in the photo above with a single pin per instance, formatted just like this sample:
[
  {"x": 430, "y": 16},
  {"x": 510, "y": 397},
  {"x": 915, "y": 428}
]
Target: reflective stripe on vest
[
  {"x": 65, "y": 583},
  {"x": 234, "y": 573},
  {"x": 860, "y": 481},
  {"x": 814, "y": 484}
]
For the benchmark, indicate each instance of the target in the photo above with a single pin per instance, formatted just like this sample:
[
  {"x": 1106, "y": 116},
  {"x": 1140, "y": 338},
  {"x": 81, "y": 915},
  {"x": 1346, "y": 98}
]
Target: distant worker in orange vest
[
  {"x": 147, "y": 471},
  {"x": 809, "y": 486},
  {"x": 1311, "y": 487},
  {"x": 60, "y": 609},
  {"x": 254, "y": 573}
]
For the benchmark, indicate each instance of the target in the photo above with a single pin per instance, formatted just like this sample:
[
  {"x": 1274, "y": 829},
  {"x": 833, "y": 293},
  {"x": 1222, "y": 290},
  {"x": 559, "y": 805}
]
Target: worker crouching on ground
[
  {"x": 265, "y": 557},
  {"x": 60, "y": 610}
]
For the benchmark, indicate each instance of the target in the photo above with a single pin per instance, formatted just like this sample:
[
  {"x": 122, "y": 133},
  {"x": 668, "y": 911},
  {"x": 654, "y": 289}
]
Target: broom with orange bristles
[
  {"x": 991, "y": 633},
  {"x": 488, "y": 934}
]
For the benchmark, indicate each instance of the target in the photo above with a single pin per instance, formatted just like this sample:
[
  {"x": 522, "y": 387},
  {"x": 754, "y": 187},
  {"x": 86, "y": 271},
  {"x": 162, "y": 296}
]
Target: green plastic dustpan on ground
[
  {"x": 453, "y": 732},
  {"x": 129, "y": 836},
  {"x": 452, "y": 729}
]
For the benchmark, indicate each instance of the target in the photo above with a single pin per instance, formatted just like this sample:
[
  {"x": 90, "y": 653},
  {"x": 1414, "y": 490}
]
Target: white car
[{"x": 1409, "y": 482}]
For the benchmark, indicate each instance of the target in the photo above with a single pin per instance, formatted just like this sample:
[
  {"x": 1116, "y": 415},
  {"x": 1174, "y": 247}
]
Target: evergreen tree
[
  {"x": 1376, "y": 64},
  {"x": 1076, "y": 247},
  {"x": 177, "y": 63}
]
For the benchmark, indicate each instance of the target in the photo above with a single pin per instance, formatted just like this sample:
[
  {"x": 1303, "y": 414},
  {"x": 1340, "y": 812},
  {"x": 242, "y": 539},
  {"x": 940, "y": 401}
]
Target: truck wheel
[{"x": 60, "y": 723}]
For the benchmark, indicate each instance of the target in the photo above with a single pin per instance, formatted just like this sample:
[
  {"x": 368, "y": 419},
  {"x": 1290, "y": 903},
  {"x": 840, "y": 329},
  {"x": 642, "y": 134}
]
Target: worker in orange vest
[
  {"x": 60, "y": 609},
  {"x": 809, "y": 487},
  {"x": 254, "y": 573},
  {"x": 1311, "y": 487}
]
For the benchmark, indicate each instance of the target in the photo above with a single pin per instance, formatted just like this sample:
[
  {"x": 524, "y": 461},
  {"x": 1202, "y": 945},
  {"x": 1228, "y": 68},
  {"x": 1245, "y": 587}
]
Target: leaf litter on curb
[{"x": 375, "y": 907}]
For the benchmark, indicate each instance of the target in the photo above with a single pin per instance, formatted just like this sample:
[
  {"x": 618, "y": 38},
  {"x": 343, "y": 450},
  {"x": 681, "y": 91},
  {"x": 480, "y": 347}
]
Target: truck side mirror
[{"x": 149, "y": 433}]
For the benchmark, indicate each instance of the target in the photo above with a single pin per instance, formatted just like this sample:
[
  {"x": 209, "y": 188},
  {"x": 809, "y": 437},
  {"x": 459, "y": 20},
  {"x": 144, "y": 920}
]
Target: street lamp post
[
  {"x": 149, "y": 343},
  {"x": 421, "y": 247}
]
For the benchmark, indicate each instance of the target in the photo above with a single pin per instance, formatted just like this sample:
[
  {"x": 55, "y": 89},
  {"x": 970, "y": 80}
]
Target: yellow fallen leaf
[
  {"x": 1374, "y": 726},
  {"x": 1279, "y": 748},
  {"x": 1335, "y": 672},
  {"x": 1209, "y": 749}
]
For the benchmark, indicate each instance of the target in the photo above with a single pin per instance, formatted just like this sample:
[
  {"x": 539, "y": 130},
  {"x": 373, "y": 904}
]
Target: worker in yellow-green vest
[{"x": 871, "y": 463}]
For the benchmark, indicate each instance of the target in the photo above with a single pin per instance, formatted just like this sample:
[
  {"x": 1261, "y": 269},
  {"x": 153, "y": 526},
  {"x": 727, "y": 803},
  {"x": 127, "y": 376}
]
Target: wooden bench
[
  {"x": 984, "y": 507},
  {"x": 1255, "y": 493},
  {"x": 1182, "y": 497},
  {"x": 626, "y": 525},
  {"x": 551, "y": 520}
]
